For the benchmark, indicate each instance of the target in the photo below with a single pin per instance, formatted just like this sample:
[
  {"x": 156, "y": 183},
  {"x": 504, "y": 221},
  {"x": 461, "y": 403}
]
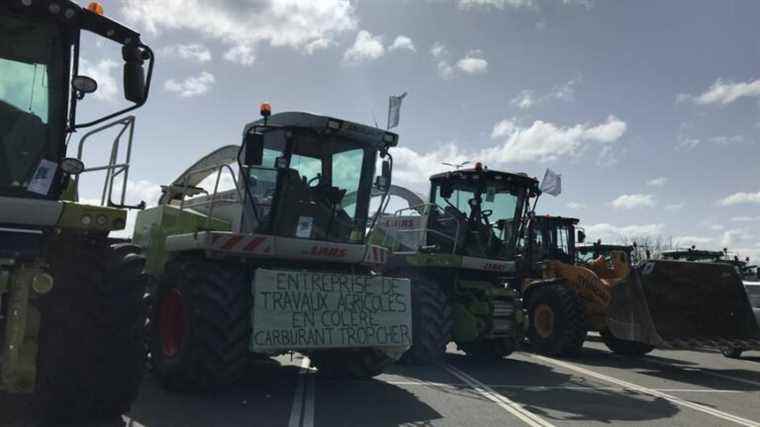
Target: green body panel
[
  {"x": 154, "y": 225},
  {"x": 467, "y": 327},
  {"x": 22, "y": 325},
  {"x": 434, "y": 260},
  {"x": 102, "y": 219}
]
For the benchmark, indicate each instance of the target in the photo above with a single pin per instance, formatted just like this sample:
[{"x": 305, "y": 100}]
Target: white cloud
[
  {"x": 631, "y": 201},
  {"x": 517, "y": 4},
  {"x": 691, "y": 240},
  {"x": 412, "y": 168},
  {"x": 741, "y": 198},
  {"x": 103, "y": 73},
  {"x": 576, "y": 205},
  {"x": 498, "y": 4},
  {"x": 544, "y": 141},
  {"x": 674, "y": 207},
  {"x": 473, "y": 63},
  {"x": 716, "y": 227},
  {"x": 517, "y": 144},
  {"x": 611, "y": 233},
  {"x": 736, "y": 237},
  {"x": 191, "y": 86},
  {"x": 438, "y": 50},
  {"x": 503, "y": 128},
  {"x": 524, "y": 100},
  {"x": 527, "y": 98},
  {"x": 657, "y": 182},
  {"x": 193, "y": 51},
  {"x": 687, "y": 143},
  {"x": 243, "y": 54},
  {"x": 724, "y": 92},
  {"x": 304, "y": 25},
  {"x": 366, "y": 47},
  {"x": 402, "y": 42},
  {"x": 441, "y": 54},
  {"x": 727, "y": 140},
  {"x": 745, "y": 218}
]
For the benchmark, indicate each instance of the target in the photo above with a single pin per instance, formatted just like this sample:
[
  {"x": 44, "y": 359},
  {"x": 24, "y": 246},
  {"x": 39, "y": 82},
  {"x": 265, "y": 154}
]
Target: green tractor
[
  {"x": 71, "y": 298},
  {"x": 458, "y": 249},
  {"x": 278, "y": 263}
]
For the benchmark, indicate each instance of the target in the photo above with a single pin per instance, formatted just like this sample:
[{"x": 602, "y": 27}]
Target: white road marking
[
  {"x": 508, "y": 405},
  {"x": 308, "y": 410},
  {"x": 296, "y": 410},
  {"x": 557, "y": 387},
  {"x": 634, "y": 387}
]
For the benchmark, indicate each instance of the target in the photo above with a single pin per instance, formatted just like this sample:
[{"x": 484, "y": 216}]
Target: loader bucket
[{"x": 683, "y": 305}]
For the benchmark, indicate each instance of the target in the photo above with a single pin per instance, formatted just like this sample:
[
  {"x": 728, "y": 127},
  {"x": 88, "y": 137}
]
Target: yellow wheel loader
[{"x": 636, "y": 308}]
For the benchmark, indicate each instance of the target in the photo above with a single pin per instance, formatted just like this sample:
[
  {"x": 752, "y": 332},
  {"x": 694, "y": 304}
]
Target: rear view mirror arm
[{"x": 72, "y": 119}]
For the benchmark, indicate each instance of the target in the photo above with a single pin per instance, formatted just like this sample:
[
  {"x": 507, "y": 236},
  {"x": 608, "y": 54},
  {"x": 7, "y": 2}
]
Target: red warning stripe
[
  {"x": 229, "y": 244},
  {"x": 253, "y": 244}
]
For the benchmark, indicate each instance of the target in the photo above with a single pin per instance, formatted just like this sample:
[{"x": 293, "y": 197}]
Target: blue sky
[{"x": 649, "y": 110}]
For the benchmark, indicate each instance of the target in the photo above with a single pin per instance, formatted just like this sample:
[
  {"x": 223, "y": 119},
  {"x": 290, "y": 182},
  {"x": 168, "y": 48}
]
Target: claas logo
[{"x": 328, "y": 252}]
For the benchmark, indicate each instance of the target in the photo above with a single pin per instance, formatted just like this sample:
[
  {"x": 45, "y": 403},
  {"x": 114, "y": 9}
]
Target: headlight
[
  {"x": 86, "y": 220},
  {"x": 102, "y": 220}
]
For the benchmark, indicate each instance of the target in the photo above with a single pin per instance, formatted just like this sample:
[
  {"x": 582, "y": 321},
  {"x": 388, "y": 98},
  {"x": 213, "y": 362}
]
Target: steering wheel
[{"x": 318, "y": 180}]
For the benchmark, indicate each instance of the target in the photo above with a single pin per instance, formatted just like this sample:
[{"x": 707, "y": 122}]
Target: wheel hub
[
  {"x": 171, "y": 322},
  {"x": 543, "y": 319}
]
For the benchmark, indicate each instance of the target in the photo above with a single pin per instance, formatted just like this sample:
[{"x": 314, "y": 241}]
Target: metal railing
[
  {"x": 113, "y": 169},
  {"x": 210, "y": 201},
  {"x": 424, "y": 211}
]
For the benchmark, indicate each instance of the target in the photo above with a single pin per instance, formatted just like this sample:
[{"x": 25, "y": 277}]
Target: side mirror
[
  {"x": 134, "y": 74},
  {"x": 72, "y": 166},
  {"x": 254, "y": 149},
  {"x": 84, "y": 84},
  {"x": 383, "y": 181},
  {"x": 581, "y": 236}
]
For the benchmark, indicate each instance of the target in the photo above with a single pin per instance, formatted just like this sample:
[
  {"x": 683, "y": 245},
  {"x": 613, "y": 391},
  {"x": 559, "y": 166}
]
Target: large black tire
[
  {"x": 90, "y": 362},
  {"x": 201, "y": 324},
  {"x": 557, "y": 324},
  {"x": 491, "y": 349},
  {"x": 625, "y": 347},
  {"x": 432, "y": 322},
  {"x": 350, "y": 363}
]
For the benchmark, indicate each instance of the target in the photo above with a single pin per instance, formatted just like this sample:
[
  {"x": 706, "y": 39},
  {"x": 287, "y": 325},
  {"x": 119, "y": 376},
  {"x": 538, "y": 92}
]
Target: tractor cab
[
  {"x": 476, "y": 212},
  {"x": 551, "y": 238},
  {"x": 586, "y": 253},
  {"x": 40, "y": 88},
  {"x": 298, "y": 168}
]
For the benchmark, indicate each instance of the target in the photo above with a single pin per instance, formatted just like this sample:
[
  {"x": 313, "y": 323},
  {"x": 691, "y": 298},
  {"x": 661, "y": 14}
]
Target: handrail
[
  {"x": 113, "y": 169},
  {"x": 212, "y": 201}
]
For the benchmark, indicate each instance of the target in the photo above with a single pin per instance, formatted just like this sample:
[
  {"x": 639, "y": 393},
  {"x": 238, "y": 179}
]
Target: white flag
[
  {"x": 552, "y": 183},
  {"x": 394, "y": 110}
]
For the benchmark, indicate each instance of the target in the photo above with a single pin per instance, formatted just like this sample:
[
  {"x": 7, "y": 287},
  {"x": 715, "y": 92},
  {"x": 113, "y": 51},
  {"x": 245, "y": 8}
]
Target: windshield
[
  {"x": 303, "y": 198},
  {"x": 478, "y": 218},
  {"x": 30, "y": 91}
]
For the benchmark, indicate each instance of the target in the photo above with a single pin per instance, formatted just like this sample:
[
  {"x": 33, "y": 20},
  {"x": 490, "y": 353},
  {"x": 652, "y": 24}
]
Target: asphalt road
[{"x": 598, "y": 388}]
